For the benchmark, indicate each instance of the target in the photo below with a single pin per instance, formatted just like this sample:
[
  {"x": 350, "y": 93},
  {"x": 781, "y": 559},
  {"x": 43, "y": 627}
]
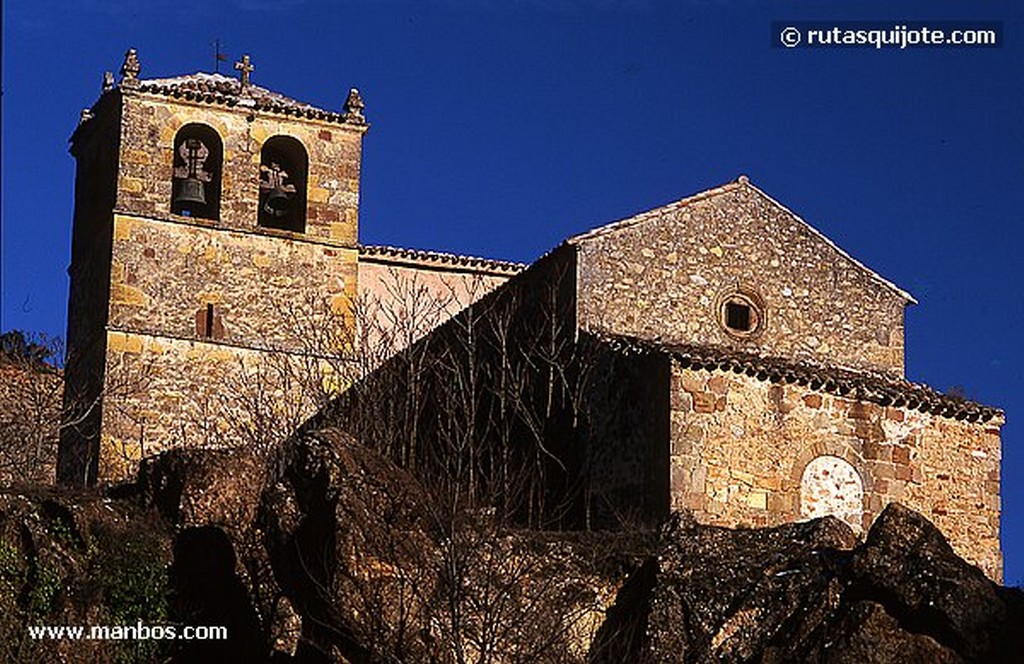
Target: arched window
[
  {"x": 283, "y": 171},
  {"x": 831, "y": 485},
  {"x": 198, "y": 156}
]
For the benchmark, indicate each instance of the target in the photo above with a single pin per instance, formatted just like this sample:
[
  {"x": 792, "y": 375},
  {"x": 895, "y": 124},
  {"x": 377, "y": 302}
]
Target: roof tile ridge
[
  {"x": 218, "y": 88},
  {"x": 440, "y": 256},
  {"x": 845, "y": 380}
]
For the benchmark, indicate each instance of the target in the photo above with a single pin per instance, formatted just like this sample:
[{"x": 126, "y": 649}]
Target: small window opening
[
  {"x": 737, "y": 316},
  {"x": 209, "y": 324},
  {"x": 208, "y": 331},
  {"x": 741, "y": 313}
]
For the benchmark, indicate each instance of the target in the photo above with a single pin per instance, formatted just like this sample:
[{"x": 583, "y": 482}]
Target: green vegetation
[{"x": 112, "y": 573}]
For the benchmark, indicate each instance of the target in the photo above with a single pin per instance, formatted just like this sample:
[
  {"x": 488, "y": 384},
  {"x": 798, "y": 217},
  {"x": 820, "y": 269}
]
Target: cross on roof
[{"x": 246, "y": 68}]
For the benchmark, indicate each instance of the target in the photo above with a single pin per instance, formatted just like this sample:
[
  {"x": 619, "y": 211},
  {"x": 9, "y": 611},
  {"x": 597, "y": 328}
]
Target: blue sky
[{"x": 500, "y": 128}]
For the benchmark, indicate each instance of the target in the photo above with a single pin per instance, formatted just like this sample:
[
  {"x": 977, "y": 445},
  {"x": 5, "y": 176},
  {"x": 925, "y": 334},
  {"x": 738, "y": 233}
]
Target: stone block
[
  {"x": 120, "y": 342},
  {"x": 745, "y": 478},
  {"x": 812, "y": 400},
  {"x": 901, "y": 454},
  {"x": 680, "y": 478},
  {"x": 870, "y": 430},
  {"x": 681, "y": 445},
  {"x": 698, "y": 478},
  {"x": 861, "y": 410},
  {"x": 131, "y": 185},
  {"x": 681, "y": 401},
  {"x": 782, "y": 504},
  {"x": 703, "y": 402},
  {"x": 123, "y": 227},
  {"x": 691, "y": 382},
  {"x": 695, "y": 501},
  {"x": 694, "y": 434},
  {"x": 341, "y": 231},
  {"x": 127, "y": 295},
  {"x": 757, "y": 499},
  {"x": 885, "y": 471},
  {"x": 876, "y": 451},
  {"x": 319, "y": 195}
]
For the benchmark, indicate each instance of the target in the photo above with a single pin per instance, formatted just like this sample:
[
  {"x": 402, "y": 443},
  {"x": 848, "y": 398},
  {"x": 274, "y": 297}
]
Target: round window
[{"x": 741, "y": 314}]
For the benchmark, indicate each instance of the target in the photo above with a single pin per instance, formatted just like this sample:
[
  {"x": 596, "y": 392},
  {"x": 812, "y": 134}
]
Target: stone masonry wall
[
  {"x": 164, "y": 393},
  {"x": 739, "y": 448},
  {"x": 266, "y": 291},
  {"x": 665, "y": 277},
  {"x": 95, "y": 147}
]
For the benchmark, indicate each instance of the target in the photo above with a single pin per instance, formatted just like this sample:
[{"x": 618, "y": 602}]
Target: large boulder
[
  {"x": 908, "y": 567},
  {"x": 804, "y": 592},
  {"x": 379, "y": 570},
  {"x": 738, "y": 594},
  {"x": 221, "y": 572},
  {"x": 349, "y": 536}
]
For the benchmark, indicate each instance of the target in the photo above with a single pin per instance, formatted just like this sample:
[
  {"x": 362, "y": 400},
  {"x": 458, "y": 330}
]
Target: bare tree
[
  {"x": 30, "y": 407},
  {"x": 483, "y": 411}
]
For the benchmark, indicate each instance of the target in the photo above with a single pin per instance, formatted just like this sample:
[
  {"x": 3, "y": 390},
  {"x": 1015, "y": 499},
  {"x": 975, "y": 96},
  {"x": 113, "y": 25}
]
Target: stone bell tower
[{"x": 215, "y": 226}]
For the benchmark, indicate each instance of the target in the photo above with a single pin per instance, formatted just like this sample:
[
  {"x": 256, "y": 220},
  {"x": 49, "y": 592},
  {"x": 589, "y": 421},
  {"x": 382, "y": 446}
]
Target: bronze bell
[
  {"x": 278, "y": 200},
  {"x": 190, "y": 193}
]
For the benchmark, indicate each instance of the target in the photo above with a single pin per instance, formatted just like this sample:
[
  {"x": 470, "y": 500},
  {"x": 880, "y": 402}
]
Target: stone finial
[
  {"x": 353, "y": 108},
  {"x": 108, "y": 81},
  {"x": 743, "y": 179},
  {"x": 245, "y": 68},
  {"x": 130, "y": 69}
]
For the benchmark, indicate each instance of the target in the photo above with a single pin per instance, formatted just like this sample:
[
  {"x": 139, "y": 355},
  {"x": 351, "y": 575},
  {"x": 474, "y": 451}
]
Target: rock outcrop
[
  {"x": 331, "y": 553},
  {"x": 804, "y": 592},
  {"x": 689, "y": 593}
]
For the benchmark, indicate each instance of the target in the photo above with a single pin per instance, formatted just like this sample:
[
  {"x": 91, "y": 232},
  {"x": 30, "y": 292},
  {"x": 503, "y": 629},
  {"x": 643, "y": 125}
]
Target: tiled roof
[
  {"x": 227, "y": 91},
  {"x": 440, "y": 258},
  {"x": 875, "y": 387},
  {"x": 742, "y": 181}
]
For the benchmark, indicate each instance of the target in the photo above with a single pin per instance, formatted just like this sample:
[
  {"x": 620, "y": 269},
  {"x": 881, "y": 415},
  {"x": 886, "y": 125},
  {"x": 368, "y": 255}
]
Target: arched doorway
[{"x": 830, "y": 485}]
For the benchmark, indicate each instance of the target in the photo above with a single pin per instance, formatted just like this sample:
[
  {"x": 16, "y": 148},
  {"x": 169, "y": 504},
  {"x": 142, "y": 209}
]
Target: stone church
[{"x": 753, "y": 370}]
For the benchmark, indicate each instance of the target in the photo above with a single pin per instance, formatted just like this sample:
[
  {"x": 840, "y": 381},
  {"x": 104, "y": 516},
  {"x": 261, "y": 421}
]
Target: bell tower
[{"x": 215, "y": 227}]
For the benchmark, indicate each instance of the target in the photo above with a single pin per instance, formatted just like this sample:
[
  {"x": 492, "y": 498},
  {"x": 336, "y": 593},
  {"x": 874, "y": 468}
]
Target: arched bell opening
[
  {"x": 284, "y": 166},
  {"x": 198, "y": 158}
]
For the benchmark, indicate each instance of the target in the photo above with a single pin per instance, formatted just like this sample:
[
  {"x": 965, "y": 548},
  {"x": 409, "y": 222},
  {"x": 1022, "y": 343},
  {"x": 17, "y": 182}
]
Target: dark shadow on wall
[{"x": 206, "y": 591}]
